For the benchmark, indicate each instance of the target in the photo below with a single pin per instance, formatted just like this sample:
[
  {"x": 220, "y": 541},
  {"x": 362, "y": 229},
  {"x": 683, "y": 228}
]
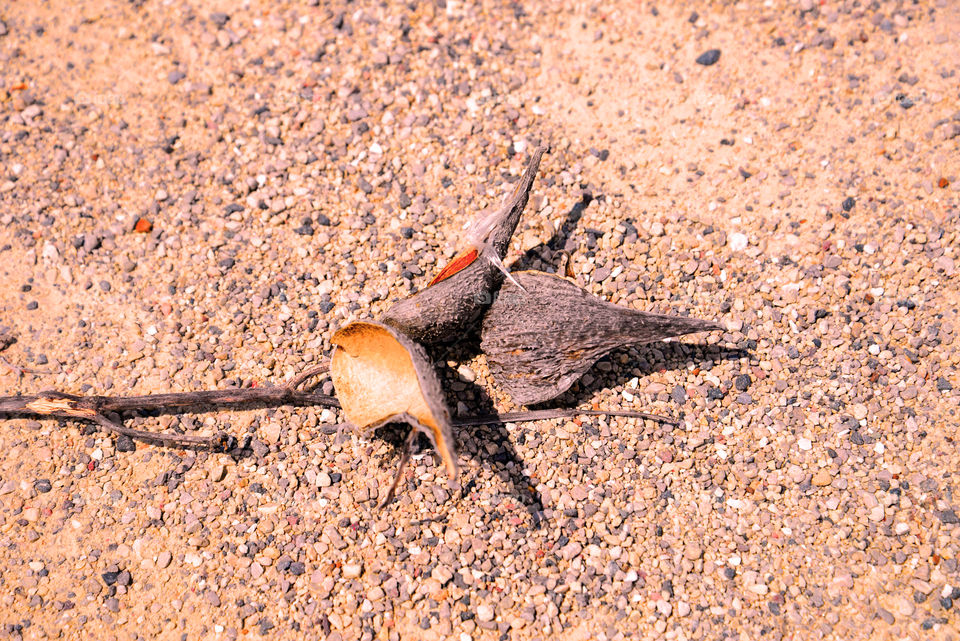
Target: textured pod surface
[
  {"x": 453, "y": 305},
  {"x": 539, "y": 343},
  {"x": 381, "y": 375}
]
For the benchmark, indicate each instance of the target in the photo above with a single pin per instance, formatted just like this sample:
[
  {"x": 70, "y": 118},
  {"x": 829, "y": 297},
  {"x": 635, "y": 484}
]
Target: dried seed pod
[
  {"x": 381, "y": 376},
  {"x": 458, "y": 296},
  {"x": 539, "y": 342}
]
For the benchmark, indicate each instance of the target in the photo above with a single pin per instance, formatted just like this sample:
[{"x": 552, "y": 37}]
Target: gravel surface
[{"x": 195, "y": 195}]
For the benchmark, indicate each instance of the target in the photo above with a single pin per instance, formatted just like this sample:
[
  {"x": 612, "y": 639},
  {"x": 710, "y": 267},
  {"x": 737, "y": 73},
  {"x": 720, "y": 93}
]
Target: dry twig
[{"x": 94, "y": 408}]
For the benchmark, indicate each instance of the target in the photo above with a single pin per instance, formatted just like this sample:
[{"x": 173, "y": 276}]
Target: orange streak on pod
[{"x": 459, "y": 262}]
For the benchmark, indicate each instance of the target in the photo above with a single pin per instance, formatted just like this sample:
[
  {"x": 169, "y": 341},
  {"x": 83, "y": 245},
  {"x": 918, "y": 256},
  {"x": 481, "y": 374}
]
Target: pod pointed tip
[{"x": 491, "y": 255}]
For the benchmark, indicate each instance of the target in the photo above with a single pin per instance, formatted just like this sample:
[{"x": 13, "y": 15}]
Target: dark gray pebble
[
  {"x": 948, "y": 516},
  {"x": 219, "y": 18},
  {"x": 904, "y": 101},
  {"x": 679, "y": 395},
  {"x": 708, "y": 57},
  {"x": 125, "y": 444}
]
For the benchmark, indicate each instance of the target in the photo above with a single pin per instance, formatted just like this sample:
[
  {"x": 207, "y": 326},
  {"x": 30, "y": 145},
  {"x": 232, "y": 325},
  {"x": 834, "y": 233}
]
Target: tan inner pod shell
[
  {"x": 375, "y": 378},
  {"x": 381, "y": 374}
]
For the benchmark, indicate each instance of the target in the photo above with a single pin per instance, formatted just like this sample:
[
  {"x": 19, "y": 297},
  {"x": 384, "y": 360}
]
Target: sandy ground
[{"x": 195, "y": 196}]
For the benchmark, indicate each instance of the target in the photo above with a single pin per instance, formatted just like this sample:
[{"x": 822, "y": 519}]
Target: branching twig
[
  {"x": 70, "y": 406},
  {"x": 93, "y": 408}
]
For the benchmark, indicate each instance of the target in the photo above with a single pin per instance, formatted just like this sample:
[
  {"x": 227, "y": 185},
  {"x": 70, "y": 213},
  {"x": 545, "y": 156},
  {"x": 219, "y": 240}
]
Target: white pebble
[{"x": 737, "y": 241}]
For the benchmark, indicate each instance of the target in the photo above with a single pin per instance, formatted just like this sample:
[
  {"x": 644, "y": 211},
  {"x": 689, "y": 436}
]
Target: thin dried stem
[
  {"x": 217, "y": 441},
  {"x": 303, "y": 376},
  {"x": 404, "y": 457},
  {"x": 54, "y": 403},
  {"x": 542, "y": 415},
  {"x": 93, "y": 408}
]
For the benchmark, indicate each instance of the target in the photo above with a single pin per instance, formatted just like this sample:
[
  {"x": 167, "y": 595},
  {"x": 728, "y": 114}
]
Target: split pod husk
[
  {"x": 539, "y": 342},
  {"x": 455, "y": 301},
  {"x": 381, "y": 376}
]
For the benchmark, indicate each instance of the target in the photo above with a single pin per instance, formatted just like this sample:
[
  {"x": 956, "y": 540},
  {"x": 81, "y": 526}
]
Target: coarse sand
[{"x": 196, "y": 195}]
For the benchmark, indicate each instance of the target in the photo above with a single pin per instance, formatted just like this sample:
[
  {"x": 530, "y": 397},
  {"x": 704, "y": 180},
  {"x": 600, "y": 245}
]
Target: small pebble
[
  {"x": 822, "y": 478},
  {"x": 485, "y": 612},
  {"x": 737, "y": 241},
  {"x": 709, "y": 57}
]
